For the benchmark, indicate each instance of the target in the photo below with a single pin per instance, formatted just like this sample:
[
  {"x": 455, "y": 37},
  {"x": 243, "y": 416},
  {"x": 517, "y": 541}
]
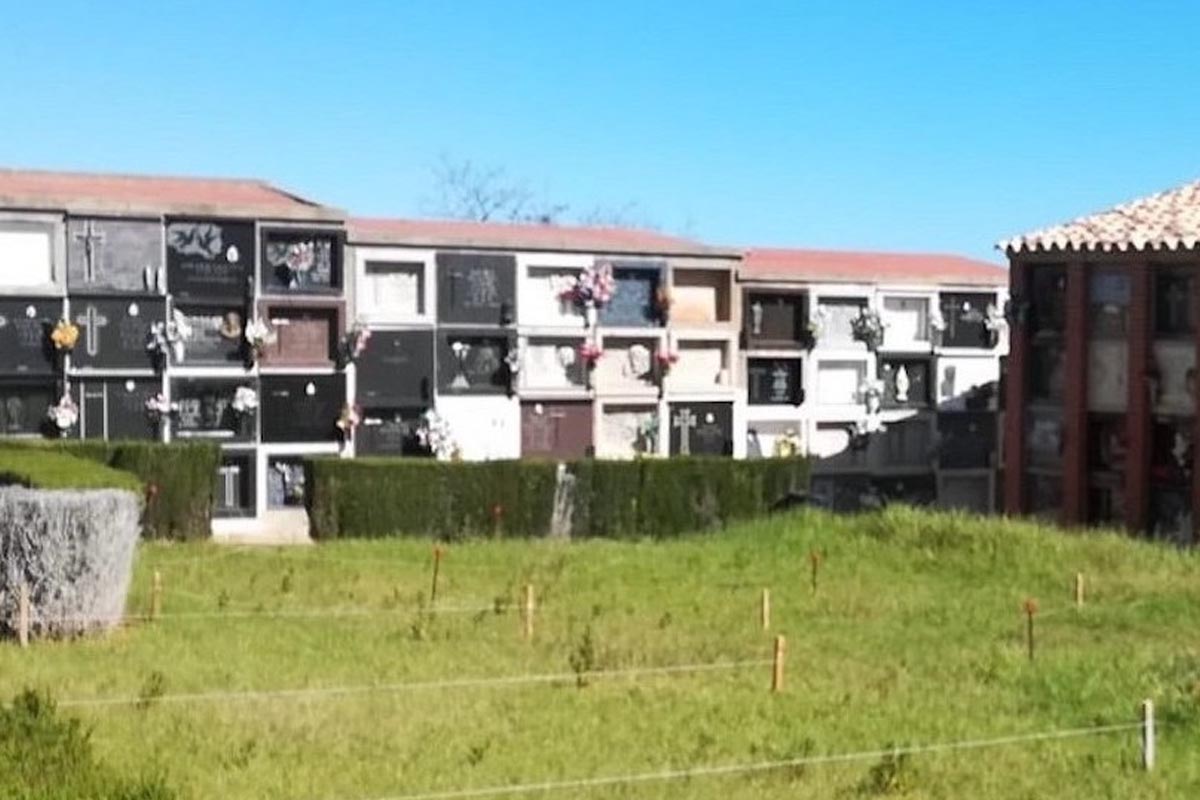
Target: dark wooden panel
[
  {"x": 111, "y": 255},
  {"x": 561, "y": 430},
  {"x": 701, "y": 429},
  {"x": 114, "y": 331},
  {"x": 25, "y": 324},
  {"x": 396, "y": 369},
  {"x": 476, "y": 288},
  {"x": 210, "y": 260},
  {"x": 302, "y": 408}
]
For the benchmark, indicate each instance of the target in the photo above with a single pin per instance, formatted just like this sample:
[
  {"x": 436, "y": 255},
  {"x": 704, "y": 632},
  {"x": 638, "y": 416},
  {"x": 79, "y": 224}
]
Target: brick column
[
  {"x": 1016, "y": 394},
  {"x": 1074, "y": 462},
  {"x": 1137, "y": 415}
]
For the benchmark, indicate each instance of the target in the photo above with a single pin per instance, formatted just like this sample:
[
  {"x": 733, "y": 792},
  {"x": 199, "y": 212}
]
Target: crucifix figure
[
  {"x": 685, "y": 421},
  {"x": 92, "y": 322},
  {"x": 92, "y": 239}
]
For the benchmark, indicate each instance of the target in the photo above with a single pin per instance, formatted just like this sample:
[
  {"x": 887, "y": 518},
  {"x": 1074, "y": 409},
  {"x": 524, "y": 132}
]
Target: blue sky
[{"x": 894, "y": 125}]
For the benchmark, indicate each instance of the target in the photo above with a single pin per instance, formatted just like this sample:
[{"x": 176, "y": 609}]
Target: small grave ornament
[
  {"x": 64, "y": 414},
  {"x": 867, "y": 328},
  {"x": 64, "y": 335},
  {"x": 259, "y": 336}
]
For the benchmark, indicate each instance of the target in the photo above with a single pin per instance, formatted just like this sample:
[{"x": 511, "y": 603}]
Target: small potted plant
[{"x": 867, "y": 328}]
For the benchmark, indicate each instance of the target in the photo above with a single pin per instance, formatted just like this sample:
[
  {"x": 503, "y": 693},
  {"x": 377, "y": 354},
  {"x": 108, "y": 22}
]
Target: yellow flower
[{"x": 64, "y": 335}]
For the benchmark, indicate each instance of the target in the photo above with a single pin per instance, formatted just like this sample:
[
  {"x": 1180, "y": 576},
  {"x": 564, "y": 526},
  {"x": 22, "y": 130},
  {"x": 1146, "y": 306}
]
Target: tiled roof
[
  {"x": 80, "y": 192},
  {"x": 1167, "y": 220},
  {"x": 841, "y": 266},
  {"x": 516, "y": 236}
]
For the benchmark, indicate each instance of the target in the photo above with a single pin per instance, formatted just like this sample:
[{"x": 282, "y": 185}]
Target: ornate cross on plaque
[
  {"x": 685, "y": 421},
  {"x": 92, "y": 322},
  {"x": 231, "y": 476},
  {"x": 92, "y": 239}
]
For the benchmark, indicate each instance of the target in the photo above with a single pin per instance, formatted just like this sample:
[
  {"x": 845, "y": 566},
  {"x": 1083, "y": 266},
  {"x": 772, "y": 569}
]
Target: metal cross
[
  {"x": 92, "y": 322},
  {"x": 685, "y": 421},
  {"x": 92, "y": 239}
]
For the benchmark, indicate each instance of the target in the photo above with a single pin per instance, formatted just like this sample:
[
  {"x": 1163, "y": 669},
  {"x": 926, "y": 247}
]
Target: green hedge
[
  {"x": 375, "y": 497},
  {"x": 178, "y": 479},
  {"x": 43, "y": 469}
]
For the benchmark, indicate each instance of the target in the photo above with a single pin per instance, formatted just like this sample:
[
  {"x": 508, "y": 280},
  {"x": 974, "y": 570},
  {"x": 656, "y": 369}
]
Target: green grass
[{"x": 914, "y": 636}]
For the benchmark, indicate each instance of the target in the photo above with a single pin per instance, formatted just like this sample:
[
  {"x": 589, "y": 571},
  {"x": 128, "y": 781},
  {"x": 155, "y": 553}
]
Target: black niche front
[
  {"x": 210, "y": 261},
  {"x": 701, "y": 429},
  {"x": 776, "y": 319},
  {"x": 396, "y": 369},
  {"x": 966, "y": 440},
  {"x": 390, "y": 432},
  {"x": 210, "y": 335},
  {"x": 302, "y": 261},
  {"x": 634, "y": 302},
  {"x": 206, "y": 409},
  {"x": 24, "y": 403},
  {"x": 235, "y": 489},
  {"x": 302, "y": 408},
  {"x": 25, "y": 325},
  {"x": 114, "y": 331},
  {"x": 774, "y": 381},
  {"x": 115, "y": 408},
  {"x": 115, "y": 255},
  {"x": 473, "y": 362},
  {"x": 476, "y": 288}
]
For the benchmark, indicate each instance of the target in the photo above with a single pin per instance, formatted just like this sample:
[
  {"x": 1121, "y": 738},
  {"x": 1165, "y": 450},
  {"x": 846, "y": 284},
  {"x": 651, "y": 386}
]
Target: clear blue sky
[{"x": 894, "y": 125}]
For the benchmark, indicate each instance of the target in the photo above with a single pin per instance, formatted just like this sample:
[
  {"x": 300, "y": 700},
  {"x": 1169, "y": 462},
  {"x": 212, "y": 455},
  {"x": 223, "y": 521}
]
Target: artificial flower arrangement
[
  {"x": 348, "y": 420},
  {"x": 64, "y": 414},
  {"x": 817, "y": 319},
  {"x": 666, "y": 359},
  {"x": 867, "y": 328},
  {"x": 259, "y": 336},
  {"x": 434, "y": 434},
  {"x": 160, "y": 408},
  {"x": 993, "y": 318},
  {"x": 168, "y": 337},
  {"x": 589, "y": 353},
  {"x": 592, "y": 288},
  {"x": 354, "y": 343},
  {"x": 512, "y": 360},
  {"x": 245, "y": 400},
  {"x": 64, "y": 335}
]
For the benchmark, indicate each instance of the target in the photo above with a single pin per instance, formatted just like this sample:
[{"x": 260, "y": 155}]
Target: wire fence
[{"x": 762, "y": 766}]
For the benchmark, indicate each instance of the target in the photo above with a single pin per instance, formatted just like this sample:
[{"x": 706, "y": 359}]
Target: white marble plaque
[
  {"x": 1108, "y": 375},
  {"x": 553, "y": 364},
  {"x": 486, "y": 428},
  {"x": 25, "y": 257},
  {"x": 906, "y": 322},
  {"x": 394, "y": 289},
  {"x": 701, "y": 366},
  {"x": 1176, "y": 362},
  {"x": 956, "y": 377},
  {"x": 838, "y": 382},
  {"x": 541, "y": 297},
  {"x": 840, "y": 312},
  {"x": 627, "y": 365},
  {"x": 622, "y": 431},
  {"x": 700, "y": 296}
]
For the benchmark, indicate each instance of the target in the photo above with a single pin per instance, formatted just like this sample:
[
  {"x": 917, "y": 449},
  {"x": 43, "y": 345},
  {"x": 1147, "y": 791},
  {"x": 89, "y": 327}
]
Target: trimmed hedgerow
[
  {"x": 178, "y": 479},
  {"x": 47, "y": 469},
  {"x": 373, "y": 497}
]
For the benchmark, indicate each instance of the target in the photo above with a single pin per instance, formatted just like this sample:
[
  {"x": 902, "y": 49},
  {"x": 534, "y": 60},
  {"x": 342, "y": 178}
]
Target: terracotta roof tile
[
  {"x": 146, "y": 194},
  {"x": 841, "y": 266},
  {"x": 517, "y": 236},
  {"x": 1167, "y": 220}
]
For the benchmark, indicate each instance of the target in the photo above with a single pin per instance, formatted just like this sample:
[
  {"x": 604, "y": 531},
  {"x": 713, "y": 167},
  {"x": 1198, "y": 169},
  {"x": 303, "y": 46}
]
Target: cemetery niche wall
[
  {"x": 210, "y": 408},
  {"x": 394, "y": 387},
  {"x": 306, "y": 333}
]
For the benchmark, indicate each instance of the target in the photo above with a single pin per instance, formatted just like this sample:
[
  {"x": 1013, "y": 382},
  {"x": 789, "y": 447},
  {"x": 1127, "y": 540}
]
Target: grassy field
[{"x": 914, "y": 636}]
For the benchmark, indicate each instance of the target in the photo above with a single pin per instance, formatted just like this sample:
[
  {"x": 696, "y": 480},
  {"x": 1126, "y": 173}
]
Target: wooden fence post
[
  {"x": 23, "y": 614},
  {"x": 765, "y": 610},
  {"x": 1148, "y": 735},
  {"x": 528, "y": 608},
  {"x": 156, "y": 591},
  {"x": 777, "y": 664}
]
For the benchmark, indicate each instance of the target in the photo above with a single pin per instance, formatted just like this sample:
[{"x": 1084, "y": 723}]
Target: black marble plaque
[
  {"x": 1173, "y": 304},
  {"x": 635, "y": 301},
  {"x": 477, "y": 288},
  {"x": 774, "y": 381},
  {"x": 905, "y": 443},
  {"x": 964, "y": 314},
  {"x": 115, "y": 255},
  {"x": 472, "y": 362},
  {"x": 302, "y": 408},
  {"x": 212, "y": 335},
  {"x": 115, "y": 408},
  {"x": 302, "y": 262},
  {"x": 389, "y": 432},
  {"x": 558, "y": 430},
  {"x": 1048, "y": 300},
  {"x": 966, "y": 440},
  {"x": 906, "y": 382},
  {"x": 25, "y": 325},
  {"x": 24, "y": 403},
  {"x": 285, "y": 482},
  {"x": 114, "y": 331},
  {"x": 235, "y": 489},
  {"x": 775, "y": 319},
  {"x": 701, "y": 429},
  {"x": 206, "y": 410},
  {"x": 210, "y": 260},
  {"x": 396, "y": 369}
]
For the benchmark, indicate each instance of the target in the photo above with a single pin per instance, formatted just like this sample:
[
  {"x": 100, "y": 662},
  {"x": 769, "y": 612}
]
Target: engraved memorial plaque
[
  {"x": 114, "y": 331},
  {"x": 301, "y": 261},
  {"x": 207, "y": 410},
  {"x": 302, "y": 408},
  {"x": 25, "y": 325},
  {"x": 210, "y": 334},
  {"x": 553, "y": 363},
  {"x": 542, "y": 301},
  {"x": 635, "y": 301},
  {"x": 23, "y": 405},
  {"x": 775, "y": 319},
  {"x": 965, "y": 315},
  {"x": 115, "y": 408},
  {"x": 627, "y": 431},
  {"x": 774, "y": 381},
  {"x": 906, "y": 322},
  {"x": 303, "y": 336},
  {"x": 840, "y": 313},
  {"x": 396, "y": 369},
  {"x": 113, "y": 255},
  {"x": 476, "y": 288},
  {"x": 393, "y": 289},
  {"x": 626, "y": 366},
  {"x": 701, "y": 429},
  {"x": 210, "y": 260},
  {"x": 473, "y": 362},
  {"x": 561, "y": 430},
  {"x": 389, "y": 432},
  {"x": 235, "y": 490}
]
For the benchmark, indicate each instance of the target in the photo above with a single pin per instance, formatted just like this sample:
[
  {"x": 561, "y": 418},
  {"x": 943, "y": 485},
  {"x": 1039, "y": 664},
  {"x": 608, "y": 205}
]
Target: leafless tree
[{"x": 467, "y": 190}]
